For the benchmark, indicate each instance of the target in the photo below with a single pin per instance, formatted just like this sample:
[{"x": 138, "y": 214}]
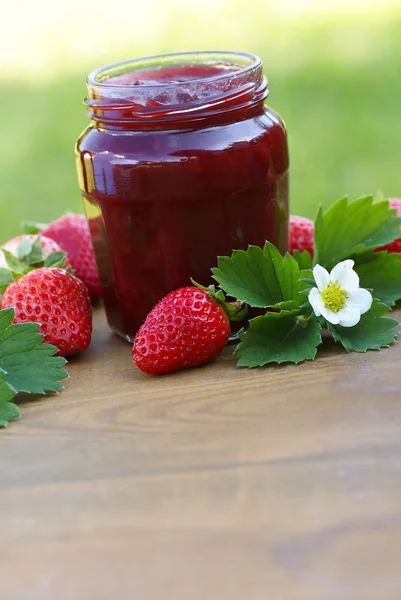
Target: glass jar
[{"x": 182, "y": 163}]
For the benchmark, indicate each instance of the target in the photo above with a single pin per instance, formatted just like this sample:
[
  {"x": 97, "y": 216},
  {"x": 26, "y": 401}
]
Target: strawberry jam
[{"x": 182, "y": 162}]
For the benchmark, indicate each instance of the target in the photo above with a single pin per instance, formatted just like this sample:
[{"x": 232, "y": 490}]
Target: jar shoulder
[{"x": 257, "y": 129}]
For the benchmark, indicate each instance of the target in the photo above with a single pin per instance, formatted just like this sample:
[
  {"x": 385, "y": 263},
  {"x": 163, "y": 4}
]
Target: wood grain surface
[{"x": 218, "y": 483}]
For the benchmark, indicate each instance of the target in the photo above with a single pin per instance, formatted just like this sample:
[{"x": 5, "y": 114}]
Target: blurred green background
[{"x": 334, "y": 70}]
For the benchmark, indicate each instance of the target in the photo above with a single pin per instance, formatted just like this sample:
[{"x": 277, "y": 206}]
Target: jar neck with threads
[{"x": 176, "y": 90}]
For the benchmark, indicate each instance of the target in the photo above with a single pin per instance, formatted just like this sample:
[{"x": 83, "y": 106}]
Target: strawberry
[
  {"x": 301, "y": 234},
  {"x": 396, "y": 245},
  {"x": 185, "y": 329},
  {"x": 72, "y": 234},
  {"x": 58, "y": 301},
  {"x": 48, "y": 247}
]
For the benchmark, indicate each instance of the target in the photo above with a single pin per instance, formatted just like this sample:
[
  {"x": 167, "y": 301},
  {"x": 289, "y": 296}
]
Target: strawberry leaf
[
  {"x": 30, "y": 227},
  {"x": 374, "y": 331},
  {"x": 381, "y": 273},
  {"x": 8, "y": 410},
  {"x": 30, "y": 253},
  {"x": 6, "y": 318},
  {"x": 14, "y": 264},
  {"x": 260, "y": 278},
  {"x": 24, "y": 248},
  {"x": 28, "y": 364},
  {"x": 306, "y": 277},
  {"x": 304, "y": 259},
  {"x": 29, "y": 256},
  {"x": 35, "y": 256},
  {"x": 55, "y": 259},
  {"x": 6, "y": 391},
  {"x": 278, "y": 338},
  {"x": 5, "y": 279},
  {"x": 349, "y": 228}
]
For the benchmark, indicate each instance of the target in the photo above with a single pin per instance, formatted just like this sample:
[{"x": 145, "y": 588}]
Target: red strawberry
[
  {"x": 72, "y": 233},
  {"x": 59, "y": 302},
  {"x": 48, "y": 247},
  {"x": 396, "y": 245},
  {"x": 301, "y": 234},
  {"x": 185, "y": 329}
]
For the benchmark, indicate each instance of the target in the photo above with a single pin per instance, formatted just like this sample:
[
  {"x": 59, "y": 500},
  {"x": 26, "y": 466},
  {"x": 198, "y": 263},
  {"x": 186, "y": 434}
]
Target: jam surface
[
  {"x": 174, "y": 74},
  {"x": 163, "y": 200}
]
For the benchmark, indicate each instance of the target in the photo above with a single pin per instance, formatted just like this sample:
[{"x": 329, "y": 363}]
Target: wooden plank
[{"x": 213, "y": 483}]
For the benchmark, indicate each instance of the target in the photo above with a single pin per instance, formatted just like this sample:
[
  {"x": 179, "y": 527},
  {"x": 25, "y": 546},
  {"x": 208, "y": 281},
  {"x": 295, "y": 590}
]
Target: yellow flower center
[{"x": 334, "y": 297}]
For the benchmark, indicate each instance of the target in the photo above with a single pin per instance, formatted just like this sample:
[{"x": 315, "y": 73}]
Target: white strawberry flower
[{"x": 338, "y": 297}]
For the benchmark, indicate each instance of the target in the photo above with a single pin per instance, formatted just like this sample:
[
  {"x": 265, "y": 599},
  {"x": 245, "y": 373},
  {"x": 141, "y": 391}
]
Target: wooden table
[{"x": 218, "y": 483}]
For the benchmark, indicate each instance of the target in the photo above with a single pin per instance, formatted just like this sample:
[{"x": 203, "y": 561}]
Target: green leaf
[
  {"x": 374, "y": 331},
  {"x": 13, "y": 263},
  {"x": 55, "y": 259},
  {"x": 28, "y": 364},
  {"x": 261, "y": 278},
  {"x": 299, "y": 299},
  {"x": 24, "y": 248},
  {"x": 6, "y": 318},
  {"x": 30, "y": 253},
  {"x": 6, "y": 391},
  {"x": 8, "y": 412},
  {"x": 29, "y": 257},
  {"x": 381, "y": 273},
  {"x": 289, "y": 305},
  {"x": 36, "y": 254},
  {"x": 307, "y": 279},
  {"x": 349, "y": 228},
  {"x": 5, "y": 279},
  {"x": 29, "y": 227},
  {"x": 304, "y": 259},
  {"x": 278, "y": 338},
  {"x": 306, "y": 283}
]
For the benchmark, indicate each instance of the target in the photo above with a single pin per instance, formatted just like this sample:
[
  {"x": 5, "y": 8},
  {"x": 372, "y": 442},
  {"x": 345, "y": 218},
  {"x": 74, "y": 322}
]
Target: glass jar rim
[
  {"x": 255, "y": 63},
  {"x": 115, "y": 97}
]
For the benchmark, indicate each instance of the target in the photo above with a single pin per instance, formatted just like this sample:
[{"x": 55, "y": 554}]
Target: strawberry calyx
[
  {"x": 31, "y": 227},
  {"x": 29, "y": 256},
  {"x": 235, "y": 311}
]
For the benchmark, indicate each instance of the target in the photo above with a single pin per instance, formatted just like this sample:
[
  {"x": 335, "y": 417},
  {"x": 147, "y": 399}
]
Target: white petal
[
  {"x": 315, "y": 301},
  {"x": 329, "y": 315},
  {"x": 345, "y": 275},
  {"x": 321, "y": 276},
  {"x": 361, "y": 299},
  {"x": 348, "y": 317}
]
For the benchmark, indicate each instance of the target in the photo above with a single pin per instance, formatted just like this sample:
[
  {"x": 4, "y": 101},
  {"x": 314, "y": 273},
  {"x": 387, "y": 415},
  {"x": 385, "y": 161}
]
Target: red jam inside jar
[{"x": 182, "y": 163}]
